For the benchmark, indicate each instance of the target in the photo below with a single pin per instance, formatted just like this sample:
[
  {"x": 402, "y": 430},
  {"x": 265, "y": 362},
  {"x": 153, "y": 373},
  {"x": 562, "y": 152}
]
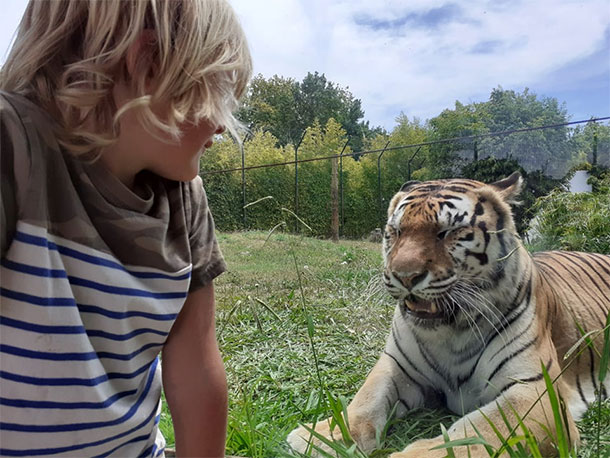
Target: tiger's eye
[{"x": 441, "y": 235}]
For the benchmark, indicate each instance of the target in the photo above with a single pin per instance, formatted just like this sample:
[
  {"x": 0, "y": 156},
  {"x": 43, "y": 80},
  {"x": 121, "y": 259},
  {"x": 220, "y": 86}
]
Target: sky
[{"x": 418, "y": 57}]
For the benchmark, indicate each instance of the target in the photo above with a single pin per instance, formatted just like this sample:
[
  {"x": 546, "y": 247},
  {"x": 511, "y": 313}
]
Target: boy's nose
[{"x": 220, "y": 130}]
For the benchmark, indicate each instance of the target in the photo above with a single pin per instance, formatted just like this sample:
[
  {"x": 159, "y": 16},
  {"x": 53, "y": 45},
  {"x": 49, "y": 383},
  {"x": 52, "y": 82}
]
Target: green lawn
[{"x": 272, "y": 290}]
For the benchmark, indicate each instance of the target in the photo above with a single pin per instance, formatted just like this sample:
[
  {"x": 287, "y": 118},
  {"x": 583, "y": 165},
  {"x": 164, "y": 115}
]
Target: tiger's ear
[
  {"x": 509, "y": 188},
  {"x": 408, "y": 184}
]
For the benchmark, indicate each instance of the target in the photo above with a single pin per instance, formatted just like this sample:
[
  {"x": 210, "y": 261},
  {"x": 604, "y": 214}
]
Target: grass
[{"x": 281, "y": 295}]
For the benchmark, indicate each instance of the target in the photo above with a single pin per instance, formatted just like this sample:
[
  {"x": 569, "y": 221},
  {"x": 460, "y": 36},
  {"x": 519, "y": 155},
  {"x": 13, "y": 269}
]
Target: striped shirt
[{"x": 92, "y": 277}]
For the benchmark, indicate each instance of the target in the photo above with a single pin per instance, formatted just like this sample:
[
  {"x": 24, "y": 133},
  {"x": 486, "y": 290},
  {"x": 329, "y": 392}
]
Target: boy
[{"x": 107, "y": 243}]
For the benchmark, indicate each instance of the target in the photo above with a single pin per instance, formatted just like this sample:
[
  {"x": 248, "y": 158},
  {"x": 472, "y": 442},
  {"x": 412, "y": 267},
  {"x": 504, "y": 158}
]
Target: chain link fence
[{"x": 268, "y": 189}]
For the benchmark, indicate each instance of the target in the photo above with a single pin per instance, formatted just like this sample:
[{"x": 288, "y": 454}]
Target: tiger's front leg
[
  {"x": 536, "y": 413},
  {"x": 369, "y": 410}
]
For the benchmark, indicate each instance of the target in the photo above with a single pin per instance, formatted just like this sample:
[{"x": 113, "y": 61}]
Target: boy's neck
[{"x": 120, "y": 164}]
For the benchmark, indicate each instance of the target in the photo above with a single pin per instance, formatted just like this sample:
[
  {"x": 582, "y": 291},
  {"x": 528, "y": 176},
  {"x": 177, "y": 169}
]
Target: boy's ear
[{"x": 141, "y": 55}]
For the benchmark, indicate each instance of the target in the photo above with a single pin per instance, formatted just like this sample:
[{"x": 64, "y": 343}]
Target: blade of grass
[
  {"x": 258, "y": 201},
  {"x": 489, "y": 448},
  {"x": 226, "y": 321},
  {"x": 264, "y": 304},
  {"x": 584, "y": 338},
  {"x": 447, "y": 440},
  {"x": 562, "y": 444},
  {"x": 339, "y": 418},
  {"x": 297, "y": 217},
  {"x": 603, "y": 369},
  {"x": 273, "y": 229}
]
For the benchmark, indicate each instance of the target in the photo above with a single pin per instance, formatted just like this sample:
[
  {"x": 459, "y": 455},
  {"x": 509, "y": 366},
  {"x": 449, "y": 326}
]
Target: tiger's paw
[
  {"x": 420, "y": 449},
  {"x": 301, "y": 439},
  {"x": 423, "y": 448}
]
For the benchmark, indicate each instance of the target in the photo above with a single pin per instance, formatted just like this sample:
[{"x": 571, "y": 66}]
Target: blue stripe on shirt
[
  {"x": 54, "y": 428},
  {"x": 73, "y": 356},
  {"x": 96, "y": 260},
  {"x": 33, "y": 270},
  {"x": 38, "y": 300},
  {"x": 149, "y": 451},
  {"x": 58, "y": 273},
  {"x": 70, "y": 302},
  {"x": 122, "y": 315},
  {"x": 43, "y": 329},
  {"x": 123, "y": 337},
  {"x": 72, "y": 448},
  {"x": 40, "y": 328},
  {"x": 124, "y": 291},
  {"x": 70, "y": 381},
  {"x": 144, "y": 437},
  {"x": 31, "y": 404}
]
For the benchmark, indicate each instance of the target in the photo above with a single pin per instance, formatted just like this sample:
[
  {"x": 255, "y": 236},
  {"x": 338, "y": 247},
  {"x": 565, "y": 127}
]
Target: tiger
[{"x": 477, "y": 318}]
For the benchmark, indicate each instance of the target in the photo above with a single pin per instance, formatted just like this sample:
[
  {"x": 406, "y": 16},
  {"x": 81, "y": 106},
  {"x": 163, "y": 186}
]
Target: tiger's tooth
[{"x": 433, "y": 308}]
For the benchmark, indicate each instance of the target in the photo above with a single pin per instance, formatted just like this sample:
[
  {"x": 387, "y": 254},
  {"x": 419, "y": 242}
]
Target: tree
[
  {"x": 223, "y": 189},
  {"x": 546, "y": 150},
  {"x": 446, "y": 158},
  {"x": 269, "y": 106},
  {"x": 286, "y": 108},
  {"x": 277, "y": 181},
  {"x": 316, "y": 200},
  {"x": 591, "y": 144}
]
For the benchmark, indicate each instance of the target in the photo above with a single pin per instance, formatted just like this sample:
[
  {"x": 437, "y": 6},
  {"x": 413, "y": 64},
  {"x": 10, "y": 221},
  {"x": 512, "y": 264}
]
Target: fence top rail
[{"x": 413, "y": 145}]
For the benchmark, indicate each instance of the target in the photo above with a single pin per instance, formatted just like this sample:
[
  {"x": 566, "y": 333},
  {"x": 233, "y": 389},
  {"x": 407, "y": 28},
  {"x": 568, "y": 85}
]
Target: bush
[{"x": 578, "y": 222}]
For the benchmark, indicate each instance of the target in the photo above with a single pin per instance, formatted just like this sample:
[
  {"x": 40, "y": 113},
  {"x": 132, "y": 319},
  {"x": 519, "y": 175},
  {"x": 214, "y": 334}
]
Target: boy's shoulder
[
  {"x": 23, "y": 118},
  {"x": 11, "y": 120}
]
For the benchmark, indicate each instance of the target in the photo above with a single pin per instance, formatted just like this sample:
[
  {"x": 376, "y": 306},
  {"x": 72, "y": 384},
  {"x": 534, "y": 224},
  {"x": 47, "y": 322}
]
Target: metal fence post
[
  {"x": 595, "y": 141},
  {"x": 243, "y": 183},
  {"x": 296, "y": 181},
  {"x": 341, "y": 218},
  {"x": 380, "y": 203},
  {"x": 409, "y": 164}
]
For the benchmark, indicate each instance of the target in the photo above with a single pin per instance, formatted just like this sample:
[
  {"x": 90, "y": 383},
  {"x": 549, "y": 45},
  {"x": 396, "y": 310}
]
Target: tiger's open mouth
[{"x": 422, "y": 308}]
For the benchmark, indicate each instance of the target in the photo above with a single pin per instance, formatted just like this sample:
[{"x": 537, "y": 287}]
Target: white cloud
[
  {"x": 422, "y": 70},
  {"x": 428, "y": 62}
]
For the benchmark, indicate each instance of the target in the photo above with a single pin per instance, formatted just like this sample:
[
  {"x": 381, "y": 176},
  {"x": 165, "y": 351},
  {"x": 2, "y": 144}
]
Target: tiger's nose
[{"x": 410, "y": 279}]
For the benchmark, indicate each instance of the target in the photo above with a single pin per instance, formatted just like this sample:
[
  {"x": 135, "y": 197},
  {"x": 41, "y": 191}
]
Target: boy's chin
[{"x": 178, "y": 175}]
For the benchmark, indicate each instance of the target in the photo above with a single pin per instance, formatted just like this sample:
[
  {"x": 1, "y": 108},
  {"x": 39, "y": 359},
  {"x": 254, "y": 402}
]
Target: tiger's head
[{"x": 445, "y": 242}]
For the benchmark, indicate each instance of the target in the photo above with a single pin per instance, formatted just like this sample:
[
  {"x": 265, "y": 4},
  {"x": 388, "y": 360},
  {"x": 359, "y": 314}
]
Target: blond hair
[{"x": 68, "y": 54}]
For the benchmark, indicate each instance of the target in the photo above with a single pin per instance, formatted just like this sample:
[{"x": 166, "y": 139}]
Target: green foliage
[
  {"x": 546, "y": 150},
  {"x": 579, "y": 222},
  {"x": 464, "y": 120},
  {"x": 223, "y": 189},
  {"x": 314, "y": 201},
  {"x": 318, "y": 118},
  {"x": 591, "y": 143},
  {"x": 286, "y": 108},
  {"x": 276, "y": 182}
]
